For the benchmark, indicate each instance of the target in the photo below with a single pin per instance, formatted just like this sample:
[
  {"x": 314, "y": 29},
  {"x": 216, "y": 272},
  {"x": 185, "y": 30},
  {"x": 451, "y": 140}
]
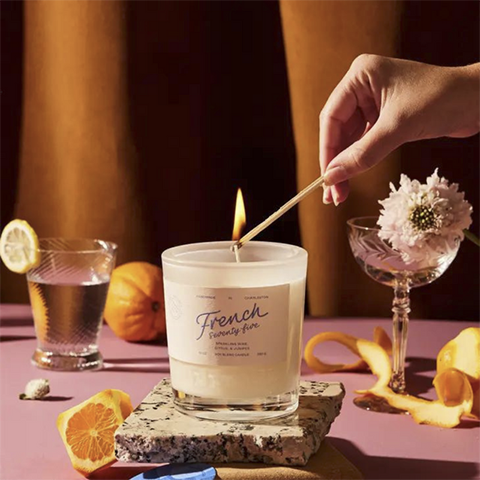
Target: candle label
[{"x": 227, "y": 326}]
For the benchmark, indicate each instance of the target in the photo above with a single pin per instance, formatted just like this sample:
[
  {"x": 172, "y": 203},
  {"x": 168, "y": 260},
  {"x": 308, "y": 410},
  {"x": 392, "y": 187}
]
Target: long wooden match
[{"x": 285, "y": 208}]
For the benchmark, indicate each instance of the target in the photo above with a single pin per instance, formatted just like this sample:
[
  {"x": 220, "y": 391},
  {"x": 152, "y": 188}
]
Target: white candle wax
[{"x": 234, "y": 329}]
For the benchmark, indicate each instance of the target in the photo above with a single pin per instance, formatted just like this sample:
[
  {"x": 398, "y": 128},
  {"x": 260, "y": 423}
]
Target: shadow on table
[
  {"x": 16, "y": 322},
  {"x": 467, "y": 423},
  {"x": 55, "y": 398},
  {"x": 390, "y": 468},
  {"x": 418, "y": 384},
  {"x": 144, "y": 365},
  {"x": 421, "y": 364},
  {"x": 14, "y": 338},
  {"x": 119, "y": 471}
]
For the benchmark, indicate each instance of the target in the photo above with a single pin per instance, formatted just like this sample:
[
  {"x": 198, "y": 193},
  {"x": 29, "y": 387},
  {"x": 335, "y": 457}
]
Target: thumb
[{"x": 363, "y": 154}]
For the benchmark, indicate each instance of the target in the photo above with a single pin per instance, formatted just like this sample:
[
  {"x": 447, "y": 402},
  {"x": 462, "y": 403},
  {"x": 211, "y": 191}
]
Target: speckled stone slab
[{"x": 156, "y": 432}]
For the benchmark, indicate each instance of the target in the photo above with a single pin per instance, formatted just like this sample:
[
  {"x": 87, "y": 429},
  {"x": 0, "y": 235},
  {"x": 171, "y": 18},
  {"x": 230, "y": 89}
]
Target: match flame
[{"x": 240, "y": 217}]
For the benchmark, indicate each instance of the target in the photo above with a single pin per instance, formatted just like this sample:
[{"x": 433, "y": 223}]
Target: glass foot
[
  {"x": 256, "y": 410},
  {"x": 376, "y": 404},
  {"x": 69, "y": 363}
]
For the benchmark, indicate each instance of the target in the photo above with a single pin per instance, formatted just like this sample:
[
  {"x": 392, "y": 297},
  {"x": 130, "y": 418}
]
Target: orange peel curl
[
  {"x": 457, "y": 382},
  {"x": 380, "y": 338}
]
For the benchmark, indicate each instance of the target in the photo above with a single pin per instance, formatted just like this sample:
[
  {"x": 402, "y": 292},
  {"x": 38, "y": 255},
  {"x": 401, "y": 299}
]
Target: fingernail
[
  {"x": 333, "y": 176},
  {"x": 326, "y": 199},
  {"x": 335, "y": 198}
]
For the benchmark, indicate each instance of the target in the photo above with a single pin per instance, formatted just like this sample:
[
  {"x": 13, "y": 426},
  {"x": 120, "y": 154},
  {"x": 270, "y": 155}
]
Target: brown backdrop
[
  {"x": 136, "y": 121},
  {"x": 321, "y": 41}
]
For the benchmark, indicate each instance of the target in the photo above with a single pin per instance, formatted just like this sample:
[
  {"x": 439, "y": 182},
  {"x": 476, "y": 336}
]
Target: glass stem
[{"x": 400, "y": 309}]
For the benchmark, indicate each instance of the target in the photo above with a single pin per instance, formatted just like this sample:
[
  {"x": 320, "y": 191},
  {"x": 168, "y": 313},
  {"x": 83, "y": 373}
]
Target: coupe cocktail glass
[{"x": 386, "y": 266}]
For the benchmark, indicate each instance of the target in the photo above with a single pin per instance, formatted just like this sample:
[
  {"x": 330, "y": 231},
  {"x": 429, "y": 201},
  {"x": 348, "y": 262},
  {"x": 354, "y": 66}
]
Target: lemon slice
[{"x": 19, "y": 246}]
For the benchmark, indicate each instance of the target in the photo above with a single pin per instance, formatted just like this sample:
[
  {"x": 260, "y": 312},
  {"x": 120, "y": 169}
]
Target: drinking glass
[
  {"x": 386, "y": 266},
  {"x": 68, "y": 290}
]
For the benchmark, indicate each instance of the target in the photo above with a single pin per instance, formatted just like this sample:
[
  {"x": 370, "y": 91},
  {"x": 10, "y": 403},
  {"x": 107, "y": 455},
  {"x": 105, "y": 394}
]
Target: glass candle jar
[{"x": 234, "y": 329}]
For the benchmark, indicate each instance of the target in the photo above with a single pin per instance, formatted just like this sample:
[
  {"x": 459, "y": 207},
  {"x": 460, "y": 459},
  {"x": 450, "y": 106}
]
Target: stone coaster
[{"x": 157, "y": 433}]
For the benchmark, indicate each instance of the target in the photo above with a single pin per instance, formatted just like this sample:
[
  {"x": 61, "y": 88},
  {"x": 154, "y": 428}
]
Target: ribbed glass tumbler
[{"x": 68, "y": 290}]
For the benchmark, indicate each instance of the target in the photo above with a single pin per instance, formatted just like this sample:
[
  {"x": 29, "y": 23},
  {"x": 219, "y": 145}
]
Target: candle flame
[{"x": 240, "y": 217}]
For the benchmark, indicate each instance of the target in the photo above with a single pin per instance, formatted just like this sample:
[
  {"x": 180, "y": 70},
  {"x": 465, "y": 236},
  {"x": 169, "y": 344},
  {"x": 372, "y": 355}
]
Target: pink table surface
[{"x": 381, "y": 446}]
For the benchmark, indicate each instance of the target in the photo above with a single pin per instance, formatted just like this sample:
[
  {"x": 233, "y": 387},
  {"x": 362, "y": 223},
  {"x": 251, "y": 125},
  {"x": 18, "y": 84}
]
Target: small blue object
[{"x": 184, "y": 471}]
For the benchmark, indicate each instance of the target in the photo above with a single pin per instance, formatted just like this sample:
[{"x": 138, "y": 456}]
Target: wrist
[{"x": 472, "y": 75}]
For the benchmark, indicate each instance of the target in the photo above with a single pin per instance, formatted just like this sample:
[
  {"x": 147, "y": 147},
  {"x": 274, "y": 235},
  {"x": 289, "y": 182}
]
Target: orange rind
[
  {"x": 462, "y": 353},
  {"x": 429, "y": 412},
  {"x": 380, "y": 338},
  {"x": 457, "y": 382}
]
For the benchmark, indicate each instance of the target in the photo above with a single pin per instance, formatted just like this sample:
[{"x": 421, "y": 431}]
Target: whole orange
[{"x": 135, "y": 308}]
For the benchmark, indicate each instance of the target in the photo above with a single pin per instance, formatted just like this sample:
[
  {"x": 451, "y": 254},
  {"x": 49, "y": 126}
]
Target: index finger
[{"x": 339, "y": 108}]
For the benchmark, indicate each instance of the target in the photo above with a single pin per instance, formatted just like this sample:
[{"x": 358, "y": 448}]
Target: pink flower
[{"x": 424, "y": 221}]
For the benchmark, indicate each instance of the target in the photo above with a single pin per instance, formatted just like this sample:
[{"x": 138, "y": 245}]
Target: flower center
[{"x": 423, "y": 218}]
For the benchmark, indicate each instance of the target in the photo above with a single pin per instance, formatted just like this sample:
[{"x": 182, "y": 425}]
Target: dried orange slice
[{"x": 88, "y": 429}]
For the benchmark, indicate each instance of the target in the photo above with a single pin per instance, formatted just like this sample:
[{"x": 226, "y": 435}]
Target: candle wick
[{"x": 236, "y": 252}]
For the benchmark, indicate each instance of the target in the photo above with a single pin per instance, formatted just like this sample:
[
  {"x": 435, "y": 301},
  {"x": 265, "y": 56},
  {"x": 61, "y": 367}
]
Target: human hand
[{"x": 382, "y": 103}]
